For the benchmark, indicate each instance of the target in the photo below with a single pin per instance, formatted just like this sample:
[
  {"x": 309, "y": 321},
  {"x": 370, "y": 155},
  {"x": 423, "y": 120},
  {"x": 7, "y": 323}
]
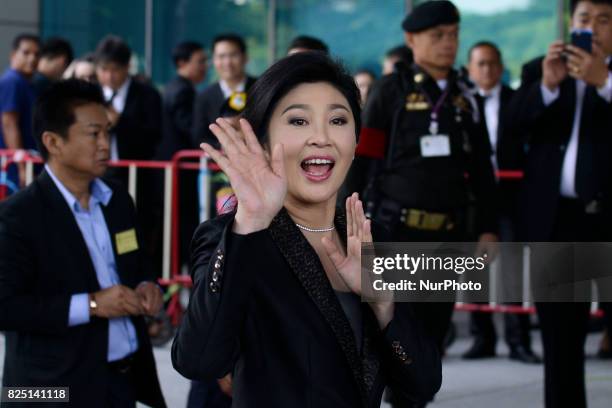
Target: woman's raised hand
[
  {"x": 259, "y": 182},
  {"x": 357, "y": 231}
]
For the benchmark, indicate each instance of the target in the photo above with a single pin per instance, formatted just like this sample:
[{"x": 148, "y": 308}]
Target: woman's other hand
[{"x": 357, "y": 232}]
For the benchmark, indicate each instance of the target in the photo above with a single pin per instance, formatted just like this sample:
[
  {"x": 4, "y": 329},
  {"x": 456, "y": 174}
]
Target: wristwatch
[{"x": 93, "y": 305}]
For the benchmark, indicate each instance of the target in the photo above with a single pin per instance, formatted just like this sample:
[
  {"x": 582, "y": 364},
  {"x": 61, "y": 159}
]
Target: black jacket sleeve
[
  {"x": 201, "y": 120},
  {"x": 20, "y": 309},
  {"x": 207, "y": 342},
  {"x": 181, "y": 111},
  {"x": 527, "y": 107},
  {"x": 142, "y": 125},
  {"x": 411, "y": 360},
  {"x": 482, "y": 179},
  {"x": 417, "y": 375}
]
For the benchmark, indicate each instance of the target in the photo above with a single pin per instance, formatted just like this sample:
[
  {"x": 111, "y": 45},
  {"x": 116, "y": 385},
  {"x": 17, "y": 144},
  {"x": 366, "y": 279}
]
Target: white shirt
[
  {"x": 492, "y": 101},
  {"x": 568, "y": 171},
  {"x": 118, "y": 104},
  {"x": 227, "y": 91}
]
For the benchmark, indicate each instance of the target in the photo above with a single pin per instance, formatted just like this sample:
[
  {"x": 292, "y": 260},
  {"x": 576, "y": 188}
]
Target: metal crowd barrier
[{"x": 172, "y": 278}]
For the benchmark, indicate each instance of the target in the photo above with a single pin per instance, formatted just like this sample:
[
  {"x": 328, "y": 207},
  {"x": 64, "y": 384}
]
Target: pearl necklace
[{"x": 315, "y": 229}]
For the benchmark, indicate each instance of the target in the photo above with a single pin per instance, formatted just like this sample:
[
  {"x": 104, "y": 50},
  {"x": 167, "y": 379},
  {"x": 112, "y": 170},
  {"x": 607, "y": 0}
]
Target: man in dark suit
[
  {"x": 135, "y": 111},
  {"x": 229, "y": 59},
  {"x": 485, "y": 68},
  {"x": 55, "y": 56},
  {"x": 563, "y": 108},
  {"x": 135, "y": 108},
  {"x": 178, "y": 98},
  {"x": 73, "y": 280}
]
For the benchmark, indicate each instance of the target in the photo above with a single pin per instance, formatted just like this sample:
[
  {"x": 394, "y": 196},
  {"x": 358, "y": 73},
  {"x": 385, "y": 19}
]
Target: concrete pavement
[{"x": 496, "y": 382}]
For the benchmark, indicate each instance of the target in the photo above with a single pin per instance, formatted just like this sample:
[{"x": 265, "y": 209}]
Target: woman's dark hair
[
  {"x": 288, "y": 73},
  {"x": 54, "y": 109}
]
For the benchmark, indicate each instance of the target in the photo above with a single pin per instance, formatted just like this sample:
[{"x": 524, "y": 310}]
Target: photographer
[{"x": 563, "y": 109}]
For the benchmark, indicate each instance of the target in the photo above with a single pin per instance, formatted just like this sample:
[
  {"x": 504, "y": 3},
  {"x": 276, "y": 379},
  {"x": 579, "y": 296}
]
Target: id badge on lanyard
[{"x": 434, "y": 144}]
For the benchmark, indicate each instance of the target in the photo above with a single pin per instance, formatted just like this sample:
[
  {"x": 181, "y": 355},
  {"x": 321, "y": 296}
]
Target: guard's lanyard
[{"x": 433, "y": 125}]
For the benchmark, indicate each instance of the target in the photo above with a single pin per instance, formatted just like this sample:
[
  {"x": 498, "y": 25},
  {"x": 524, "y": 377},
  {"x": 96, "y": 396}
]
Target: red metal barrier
[
  {"x": 472, "y": 307},
  {"x": 174, "y": 308}
]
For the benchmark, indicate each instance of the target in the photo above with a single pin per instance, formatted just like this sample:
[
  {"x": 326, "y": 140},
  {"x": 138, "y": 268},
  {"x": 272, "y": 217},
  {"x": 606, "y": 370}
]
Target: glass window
[
  {"x": 522, "y": 29},
  {"x": 358, "y": 31},
  {"x": 85, "y": 22},
  {"x": 176, "y": 21}
]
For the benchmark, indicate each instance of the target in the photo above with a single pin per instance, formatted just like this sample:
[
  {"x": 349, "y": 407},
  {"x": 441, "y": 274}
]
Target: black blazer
[
  {"x": 139, "y": 127},
  {"x": 546, "y": 132},
  {"x": 262, "y": 308},
  {"x": 508, "y": 151},
  {"x": 43, "y": 261},
  {"x": 178, "y": 100},
  {"x": 207, "y": 108}
]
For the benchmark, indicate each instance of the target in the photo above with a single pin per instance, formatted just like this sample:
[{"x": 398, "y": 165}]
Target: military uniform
[
  {"x": 423, "y": 160},
  {"x": 423, "y": 157},
  {"x": 419, "y": 191}
]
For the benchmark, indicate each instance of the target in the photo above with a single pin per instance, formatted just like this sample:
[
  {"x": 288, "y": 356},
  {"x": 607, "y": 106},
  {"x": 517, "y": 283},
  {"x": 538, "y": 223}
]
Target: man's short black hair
[
  {"x": 113, "y": 49},
  {"x": 24, "y": 37},
  {"x": 233, "y": 38},
  {"x": 402, "y": 53},
  {"x": 54, "y": 109},
  {"x": 56, "y": 47},
  {"x": 183, "y": 51},
  {"x": 308, "y": 43},
  {"x": 574, "y": 3},
  {"x": 489, "y": 44}
]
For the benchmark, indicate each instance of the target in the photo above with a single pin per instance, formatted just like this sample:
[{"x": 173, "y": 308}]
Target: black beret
[{"x": 430, "y": 14}]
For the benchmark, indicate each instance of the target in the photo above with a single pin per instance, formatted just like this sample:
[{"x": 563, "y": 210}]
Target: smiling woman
[{"x": 275, "y": 300}]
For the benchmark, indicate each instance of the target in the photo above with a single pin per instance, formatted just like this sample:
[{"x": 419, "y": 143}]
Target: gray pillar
[
  {"x": 271, "y": 34},
  {"x": 17, "y": 16},
  {"x": 148, "y": 38},
  {"x": 409, "y": 5},
  {"x": 561, "y": 24}
]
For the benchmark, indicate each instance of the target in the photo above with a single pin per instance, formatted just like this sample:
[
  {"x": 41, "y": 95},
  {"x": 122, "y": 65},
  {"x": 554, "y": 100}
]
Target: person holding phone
[{"x": 563, "y": 109}]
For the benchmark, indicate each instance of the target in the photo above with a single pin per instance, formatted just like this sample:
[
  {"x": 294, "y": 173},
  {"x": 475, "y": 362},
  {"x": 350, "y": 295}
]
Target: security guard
[{"x": 423, "y": 154}]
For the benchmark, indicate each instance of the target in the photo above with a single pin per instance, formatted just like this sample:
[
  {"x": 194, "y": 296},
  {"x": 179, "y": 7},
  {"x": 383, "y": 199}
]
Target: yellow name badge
[{"x": 126, "y": 241}]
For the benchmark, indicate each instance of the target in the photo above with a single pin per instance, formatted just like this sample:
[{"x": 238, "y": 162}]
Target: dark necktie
[
  {"x": 583, "y": 178},
  {"x": 110, "y": 100},
  {"x": 480, "y": 102}
]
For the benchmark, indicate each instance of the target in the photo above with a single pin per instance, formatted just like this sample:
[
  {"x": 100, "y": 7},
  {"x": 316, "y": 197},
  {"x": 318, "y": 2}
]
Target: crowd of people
[{"x": 314, "y": 162}]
